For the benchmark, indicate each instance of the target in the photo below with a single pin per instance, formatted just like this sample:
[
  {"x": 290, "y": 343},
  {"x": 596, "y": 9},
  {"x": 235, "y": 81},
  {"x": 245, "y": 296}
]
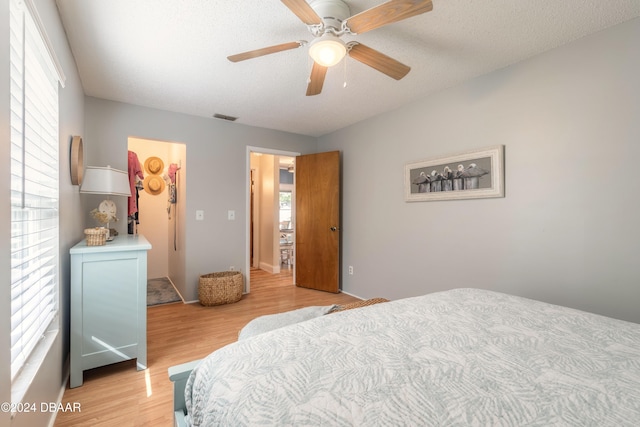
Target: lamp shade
[
  {"x": 100, "y": 180},
  {"x": 327, "y": 50}
]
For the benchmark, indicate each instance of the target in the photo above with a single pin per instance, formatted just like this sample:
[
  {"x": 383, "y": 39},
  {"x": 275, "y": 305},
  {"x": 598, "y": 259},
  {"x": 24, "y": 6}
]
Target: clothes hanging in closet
[
  {"x": 135, "y": 173},
  {"x": 134, "y": 170}
]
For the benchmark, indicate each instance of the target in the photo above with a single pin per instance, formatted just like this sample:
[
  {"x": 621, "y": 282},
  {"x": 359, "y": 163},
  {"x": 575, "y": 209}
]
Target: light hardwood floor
[{"x": 119, "y": 395}]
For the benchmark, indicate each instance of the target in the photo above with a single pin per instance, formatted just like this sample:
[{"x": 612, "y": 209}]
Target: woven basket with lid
[{"x": 96, "y": 236}]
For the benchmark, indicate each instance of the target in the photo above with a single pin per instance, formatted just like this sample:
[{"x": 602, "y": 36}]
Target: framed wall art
[{"x": 472, "y": 174}]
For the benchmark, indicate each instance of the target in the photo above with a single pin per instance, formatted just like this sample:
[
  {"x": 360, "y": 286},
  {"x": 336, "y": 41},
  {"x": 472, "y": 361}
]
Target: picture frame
[{"x": 473, "y": 174}]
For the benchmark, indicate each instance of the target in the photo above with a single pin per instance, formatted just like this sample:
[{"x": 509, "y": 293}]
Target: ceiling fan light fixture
[{"x": 327, "y": 50}]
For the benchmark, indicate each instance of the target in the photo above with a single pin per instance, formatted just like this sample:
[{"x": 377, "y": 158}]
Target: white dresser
[{"x": 108, "y": 304}]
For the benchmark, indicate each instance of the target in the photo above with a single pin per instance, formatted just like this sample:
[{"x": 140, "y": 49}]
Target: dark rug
[{"x": 161, "y": 291}]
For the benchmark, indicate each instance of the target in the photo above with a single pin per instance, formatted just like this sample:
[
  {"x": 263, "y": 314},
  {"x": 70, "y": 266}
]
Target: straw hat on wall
[
  {"x": 154, "y": 165},
  {"x": 153, "y": 184}
]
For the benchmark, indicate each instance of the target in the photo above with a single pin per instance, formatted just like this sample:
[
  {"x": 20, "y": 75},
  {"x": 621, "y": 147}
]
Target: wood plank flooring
[{"x": 119, "y": 395}]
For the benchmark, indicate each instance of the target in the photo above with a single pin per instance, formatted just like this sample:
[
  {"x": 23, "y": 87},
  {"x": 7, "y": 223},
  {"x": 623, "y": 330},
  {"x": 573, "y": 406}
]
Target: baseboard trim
[
  {"x": 269, "y": 268},
  {"x": 67, "y": 371},
  {"x": 352, "y": 295}
]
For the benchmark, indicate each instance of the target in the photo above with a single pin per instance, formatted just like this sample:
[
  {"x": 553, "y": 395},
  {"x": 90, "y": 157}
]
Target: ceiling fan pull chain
[
  {"x": 345, "y": 72},
  {"x": 349, "y": 46}
]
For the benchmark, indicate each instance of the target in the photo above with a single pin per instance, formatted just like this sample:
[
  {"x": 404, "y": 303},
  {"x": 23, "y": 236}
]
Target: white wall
[
  {"x": 51, "y": 377},
  {"x": 217, "y": 176},
  {"x": 567, "y": 231},
  {"x": 269, "y": 258}
]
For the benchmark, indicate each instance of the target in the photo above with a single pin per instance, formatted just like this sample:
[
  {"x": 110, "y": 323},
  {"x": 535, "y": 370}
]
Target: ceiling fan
[{"x": 328, "y": 20}]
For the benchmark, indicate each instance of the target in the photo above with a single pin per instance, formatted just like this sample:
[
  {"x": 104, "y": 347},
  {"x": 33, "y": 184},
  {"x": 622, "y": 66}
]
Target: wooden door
[{"x": 317, "y": 238}]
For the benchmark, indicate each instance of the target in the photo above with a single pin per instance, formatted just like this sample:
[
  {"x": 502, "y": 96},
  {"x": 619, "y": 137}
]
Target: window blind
[{"x": 34, "y": 186}]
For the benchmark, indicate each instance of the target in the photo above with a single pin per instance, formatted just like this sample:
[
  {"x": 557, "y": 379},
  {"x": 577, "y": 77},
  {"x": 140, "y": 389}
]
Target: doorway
[
  {"x": 270, "y": 211},
  {"x": 162, "y": 207}
]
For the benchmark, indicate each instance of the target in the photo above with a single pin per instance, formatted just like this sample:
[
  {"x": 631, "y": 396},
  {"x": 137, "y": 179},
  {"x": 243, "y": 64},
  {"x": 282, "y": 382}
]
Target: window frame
[{"x": 32, "y": 54}]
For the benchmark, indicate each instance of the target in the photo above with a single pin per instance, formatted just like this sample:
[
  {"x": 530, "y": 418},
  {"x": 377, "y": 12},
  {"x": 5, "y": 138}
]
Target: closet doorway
[
  {"x": 161, "y": 205},
  {"x": 270, "y": 212}
]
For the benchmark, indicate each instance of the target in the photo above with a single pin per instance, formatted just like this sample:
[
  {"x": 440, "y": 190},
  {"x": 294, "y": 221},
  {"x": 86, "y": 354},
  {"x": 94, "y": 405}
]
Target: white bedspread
[{"x": 464, "y": 357}]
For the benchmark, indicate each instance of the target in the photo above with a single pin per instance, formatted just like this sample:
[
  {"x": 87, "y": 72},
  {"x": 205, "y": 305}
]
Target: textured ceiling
[{"x": 171, "y": 54}]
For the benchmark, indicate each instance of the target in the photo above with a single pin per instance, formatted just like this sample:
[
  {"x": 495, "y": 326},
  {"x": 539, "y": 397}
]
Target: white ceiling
[{"x": 171, "y": 54}]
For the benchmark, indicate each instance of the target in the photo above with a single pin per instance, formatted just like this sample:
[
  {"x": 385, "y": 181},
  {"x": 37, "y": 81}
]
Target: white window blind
[{"x": 34, "y": 186}]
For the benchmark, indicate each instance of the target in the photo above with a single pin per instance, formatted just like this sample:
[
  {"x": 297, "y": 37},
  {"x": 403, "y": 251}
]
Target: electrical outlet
[
  {"x": 232, "y": 268},
  {"x": 351, "y": 269}
]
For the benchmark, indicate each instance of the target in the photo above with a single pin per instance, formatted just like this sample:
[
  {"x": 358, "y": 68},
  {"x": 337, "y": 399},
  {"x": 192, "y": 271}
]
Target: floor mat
[{"x": 161, "y": 291}]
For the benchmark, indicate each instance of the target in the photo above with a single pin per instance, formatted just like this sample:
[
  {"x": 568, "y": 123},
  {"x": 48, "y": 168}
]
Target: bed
[{"x": 463, "y": 357}]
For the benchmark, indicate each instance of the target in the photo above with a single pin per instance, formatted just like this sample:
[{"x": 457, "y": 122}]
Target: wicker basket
[
  {"x": 95, "y": 236},
  {"x": 358, "y": 304},
  {"x": 220, "y": 288}
]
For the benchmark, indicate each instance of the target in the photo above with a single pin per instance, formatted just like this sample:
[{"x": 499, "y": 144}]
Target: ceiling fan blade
[
  {"x": 318, "y": 72},
  {"x": 387, "y": 13},
  {"x": 303, "y": 11},
  {"x": 379, "y": 61},
  {"x": 264, "y": 51}
]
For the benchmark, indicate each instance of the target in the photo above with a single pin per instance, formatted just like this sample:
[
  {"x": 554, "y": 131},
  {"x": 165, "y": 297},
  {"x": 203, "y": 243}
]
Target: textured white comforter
[{"x": 464, "y": 357}]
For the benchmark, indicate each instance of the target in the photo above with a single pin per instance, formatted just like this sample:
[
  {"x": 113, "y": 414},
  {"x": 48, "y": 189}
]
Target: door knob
[{"x": 334, "y": 228}]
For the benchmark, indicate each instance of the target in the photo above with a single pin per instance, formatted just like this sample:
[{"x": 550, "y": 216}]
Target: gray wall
[
  {"x": 567, "y": 231},
  {"x": 215, "y": 175},
  {"x": 48, "y": 383}
]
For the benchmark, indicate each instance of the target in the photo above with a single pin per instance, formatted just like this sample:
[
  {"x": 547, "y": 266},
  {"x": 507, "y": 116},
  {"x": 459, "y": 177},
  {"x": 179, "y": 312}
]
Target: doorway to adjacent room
[{"x": 270, "y": 212}]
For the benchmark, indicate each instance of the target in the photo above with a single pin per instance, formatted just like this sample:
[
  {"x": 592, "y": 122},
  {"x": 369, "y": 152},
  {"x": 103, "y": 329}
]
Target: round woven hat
[
  {"x": 153, "y": 184},
  {"x": 154, "y": 165}
]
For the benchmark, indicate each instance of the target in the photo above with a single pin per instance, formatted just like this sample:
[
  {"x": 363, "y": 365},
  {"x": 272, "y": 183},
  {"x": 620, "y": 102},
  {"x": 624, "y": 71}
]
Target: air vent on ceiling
[{"x": 224, "y": 117}]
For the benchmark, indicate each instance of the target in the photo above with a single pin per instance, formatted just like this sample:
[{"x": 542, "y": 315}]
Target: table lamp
[{"x": 107, "y": 181}]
